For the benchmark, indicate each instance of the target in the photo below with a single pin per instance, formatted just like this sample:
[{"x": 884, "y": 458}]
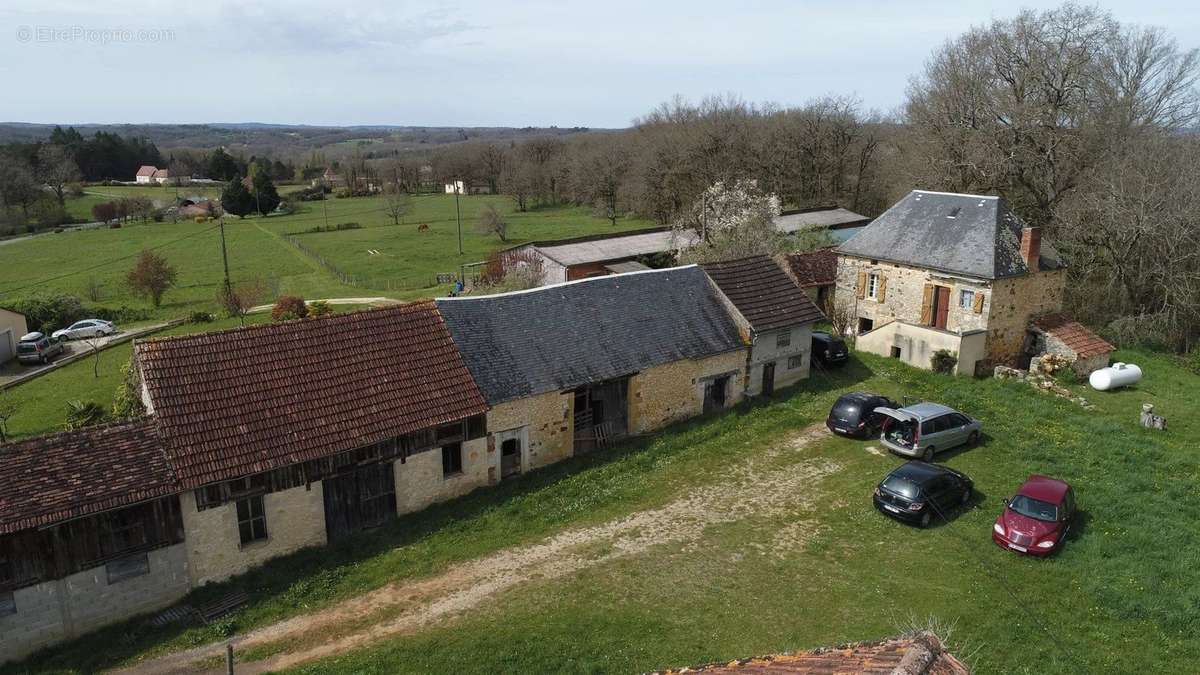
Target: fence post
[{"x": 229, "y": 659}]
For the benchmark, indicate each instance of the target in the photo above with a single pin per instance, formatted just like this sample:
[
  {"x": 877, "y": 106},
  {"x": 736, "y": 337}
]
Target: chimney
[{"x": 1031, "y": 247}]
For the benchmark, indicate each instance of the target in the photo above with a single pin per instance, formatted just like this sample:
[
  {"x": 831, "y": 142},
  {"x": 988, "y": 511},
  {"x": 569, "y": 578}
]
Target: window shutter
[
  {"x": 881, "y": 291},
  {"x": 978, "y": 303},
  {"x": 927, "y": 305},
  {"x": 862, "y": 284}
]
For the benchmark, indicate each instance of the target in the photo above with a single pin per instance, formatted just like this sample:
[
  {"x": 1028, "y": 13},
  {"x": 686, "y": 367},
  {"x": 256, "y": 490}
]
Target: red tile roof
[
  {"x": 763, "y": 292},
  {"x": 1075, "y": 335},
  {"x": 67, "y": 475},
  {"x": 919, "y": 655},
  {"x": 146, "y": 170},
  {"x": 233, "y": 403},
  {"x": 814, "y": 268}
]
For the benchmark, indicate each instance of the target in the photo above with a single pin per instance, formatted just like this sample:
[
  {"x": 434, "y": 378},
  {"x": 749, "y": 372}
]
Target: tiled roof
[
  {"x": 919, "y": 655},
  {"x": 814, "y": 268},
  {"x": 146, "y": 170},
  {"x": 237, "y": 402},
  {"x": 976, "y": 235},
  {"x": 67, "y": 475},
  {"x": 563, "y": 336},
  {"x": 763, "y": 292},
  {"x": 1075, "y": 335}
]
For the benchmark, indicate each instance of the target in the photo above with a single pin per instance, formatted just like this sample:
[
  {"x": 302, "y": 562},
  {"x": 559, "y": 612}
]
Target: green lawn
[
  {"x": 81, "y": 207},
  {"x": 1124, "y": 596},
  {"x": 407, "y": 263}
]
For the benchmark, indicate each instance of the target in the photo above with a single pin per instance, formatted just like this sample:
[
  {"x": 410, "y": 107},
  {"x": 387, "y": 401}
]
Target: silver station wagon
[{"x": 924, "y": 429}]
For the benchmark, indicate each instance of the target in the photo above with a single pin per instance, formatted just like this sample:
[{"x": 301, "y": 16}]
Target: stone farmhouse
[
  {"x": 261, "y": 441},
  {"x": 147, "y": 174},
  {"x": 948, "y": 271},
  {"x": 774, "y": 314}
]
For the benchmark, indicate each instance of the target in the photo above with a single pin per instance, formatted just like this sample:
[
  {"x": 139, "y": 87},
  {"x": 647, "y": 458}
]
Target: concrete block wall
[
  {"x": 57, "y": 610},
  {"x": 675, "y": 391},
  {"x": 551, "y": 425},
  {"x": 419, "y": 480},
  {"x": 295, "y": 520}
]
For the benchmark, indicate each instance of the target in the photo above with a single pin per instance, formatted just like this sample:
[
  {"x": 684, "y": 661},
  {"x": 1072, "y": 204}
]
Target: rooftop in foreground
[{"x": 922, "y": 654}]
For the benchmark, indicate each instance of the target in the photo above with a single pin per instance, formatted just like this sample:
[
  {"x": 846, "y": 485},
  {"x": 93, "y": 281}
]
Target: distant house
[
  {"x": 774, "y": 314},
  {"x": 12, "y": 327},
  {"x": 149, "y": 174},
  {"x": 199, "y": 207},
  {"x": 463, "y": 188},
  {"x": 815, "y": 272},
  {"x": 954, "y": 272}
]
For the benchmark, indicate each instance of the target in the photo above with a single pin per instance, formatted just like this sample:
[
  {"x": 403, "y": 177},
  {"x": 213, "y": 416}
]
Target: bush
[
  {"x": 289, "y": 307},
  {"x": 319, "y": 308},
  {"x": 200, "y": 317},
  {"x": 114, "y": 226},
  {"x": 330, "y": 228},
  {"x": 943, "y": 361},
  {"x": 47, "y": 313},
  {"x": 122, "y": 314}
]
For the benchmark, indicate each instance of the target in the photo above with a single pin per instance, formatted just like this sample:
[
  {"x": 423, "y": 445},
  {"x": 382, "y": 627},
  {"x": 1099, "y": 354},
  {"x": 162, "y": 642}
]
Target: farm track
[{"x": 759, "y": 487}]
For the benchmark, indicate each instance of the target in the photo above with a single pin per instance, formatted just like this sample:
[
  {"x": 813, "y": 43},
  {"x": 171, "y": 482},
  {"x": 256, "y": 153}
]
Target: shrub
[
  {"x": 943, "y": 361},
  {"x": 46, "y": 313},
  {"x": 289, "y": 307},
  {"x": 200, "y": 317},
  {"x": 319, "y": 308},
  {"x": 127, "y": 403},
  {"x": 114, "y": 226},
  {"x": 122, "y": 314}
]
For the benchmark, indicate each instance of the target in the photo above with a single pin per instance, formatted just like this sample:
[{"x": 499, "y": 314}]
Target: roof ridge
[{"x": 526, "y": 291}]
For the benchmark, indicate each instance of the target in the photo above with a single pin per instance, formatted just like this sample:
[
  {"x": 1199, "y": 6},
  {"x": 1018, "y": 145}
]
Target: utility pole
[
  {"x": 324, "y": 207},
  {"x": 227, "y": 289},
  {"x": 458, "y": 209}
]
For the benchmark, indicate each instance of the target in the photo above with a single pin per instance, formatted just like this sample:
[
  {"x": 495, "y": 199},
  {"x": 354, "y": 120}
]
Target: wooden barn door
[
  {"x": 358, "y": 500},
  {"x": 941, "y": 307}
]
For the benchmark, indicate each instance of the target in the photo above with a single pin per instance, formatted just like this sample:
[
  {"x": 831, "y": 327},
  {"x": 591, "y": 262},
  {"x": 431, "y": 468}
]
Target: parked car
[
  {"x": 37, "y": 348},
  {"x": 920, "y": 492},
  {"x": 829, "y": 350},
  {"x": 1036, "y": 519},
  {"x": 924, "y": 429},
  {"x": 87, "y": 328},
  {"x": 855, "y": 415}
]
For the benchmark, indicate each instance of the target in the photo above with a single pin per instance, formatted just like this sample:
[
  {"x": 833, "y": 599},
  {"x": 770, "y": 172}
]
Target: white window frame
[
  {"x": 873, "y": 285},
  {"x": 783, "y": 339},
  {"x": 967, "y": 294}
]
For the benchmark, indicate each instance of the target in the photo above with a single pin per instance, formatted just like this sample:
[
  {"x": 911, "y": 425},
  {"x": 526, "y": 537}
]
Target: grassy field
[
  {"x": 81, "y": 207},
  {"x": 407, "y": 263},
  {"x": 793, "y": 563}
]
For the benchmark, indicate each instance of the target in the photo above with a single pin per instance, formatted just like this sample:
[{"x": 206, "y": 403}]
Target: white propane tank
[{"x": 1116, "y": 375}]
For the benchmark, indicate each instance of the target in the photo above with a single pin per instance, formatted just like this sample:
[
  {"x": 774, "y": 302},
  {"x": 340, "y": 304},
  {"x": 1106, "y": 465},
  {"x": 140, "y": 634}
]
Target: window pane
[{"x": 245, "y": 532}]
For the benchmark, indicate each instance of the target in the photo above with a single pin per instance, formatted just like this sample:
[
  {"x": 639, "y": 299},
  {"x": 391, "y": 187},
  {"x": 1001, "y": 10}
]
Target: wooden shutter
[
  {"x": 927, "y": 305},
  {"x": 978, "y": 307},
  {"x": 862, "y": 284},
  {"x": 881, "y": 290}
]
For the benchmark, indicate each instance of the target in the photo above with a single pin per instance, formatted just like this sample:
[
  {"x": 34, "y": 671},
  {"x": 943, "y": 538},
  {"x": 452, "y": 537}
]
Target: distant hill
[{"x": 282, "y": 140}]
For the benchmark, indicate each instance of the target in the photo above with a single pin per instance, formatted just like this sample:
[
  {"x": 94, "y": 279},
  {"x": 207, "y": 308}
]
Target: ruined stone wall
[
  {"x": 550, "y": 421},
  {"x": 421, "y": 481},
  {"x": 295, "y": 520},
  {"x": 675, "y": 391},
  {"x": 53, "y": 611},
  {"x": 1015, "y": 302}
]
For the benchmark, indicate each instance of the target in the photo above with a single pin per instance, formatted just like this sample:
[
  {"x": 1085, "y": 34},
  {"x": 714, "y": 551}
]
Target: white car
[{"x": 88, "y": 328}]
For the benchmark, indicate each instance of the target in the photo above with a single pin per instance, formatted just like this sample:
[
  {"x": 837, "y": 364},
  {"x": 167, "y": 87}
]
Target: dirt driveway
[
  {"x": 756, "y": 488},
  {"x": 13, "y": 373}
]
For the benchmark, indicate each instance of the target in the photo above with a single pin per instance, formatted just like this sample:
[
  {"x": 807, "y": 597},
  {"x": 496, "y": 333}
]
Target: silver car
[
  {"x": 926, "y": 428},
  {"x": 86, "y": 329}
]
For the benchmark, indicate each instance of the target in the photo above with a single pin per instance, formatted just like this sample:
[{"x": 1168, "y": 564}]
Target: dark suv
[
  {"x": 829, "y": 350},
  {"x": 919, "y": 492},
  {"x": 854, "y": 414}
]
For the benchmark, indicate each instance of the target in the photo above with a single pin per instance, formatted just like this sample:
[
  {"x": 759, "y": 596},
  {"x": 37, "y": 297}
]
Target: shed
[{"x": 12, "y": 327}]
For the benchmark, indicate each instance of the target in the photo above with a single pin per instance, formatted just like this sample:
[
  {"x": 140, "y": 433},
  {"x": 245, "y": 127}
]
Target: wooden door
[
  {"x": 359, "y": 499},
  {"x": 768, "y": 378},
  {"x": 941, "y": 307}
]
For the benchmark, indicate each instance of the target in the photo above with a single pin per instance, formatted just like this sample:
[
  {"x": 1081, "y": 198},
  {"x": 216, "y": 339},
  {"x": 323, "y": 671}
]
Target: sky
[{"x": 601, "y": 63}]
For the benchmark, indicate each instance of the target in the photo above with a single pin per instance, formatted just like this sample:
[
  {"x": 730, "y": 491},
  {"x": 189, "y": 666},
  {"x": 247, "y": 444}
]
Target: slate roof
[
  {"x": 72, "y": 474},
  {"x": 763, "y": 293},
  {"x": 233, "y": 403},
  {"x": 1074, "y": 335},
  {"x": 922, "y": 654},
  {"x": 563, "y": 336},
  {"x": 833, "y": 218},
  {"x": 813, "y": 268},
  {"x": 976, "y": 235}
]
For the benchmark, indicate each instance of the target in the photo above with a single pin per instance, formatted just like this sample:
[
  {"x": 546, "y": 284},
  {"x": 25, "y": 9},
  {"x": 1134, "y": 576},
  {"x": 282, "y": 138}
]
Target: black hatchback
[
  {"x": 919, "y": 492},
  {"x": 854, "y": 414},
  {"x": 829, "y": 350}
]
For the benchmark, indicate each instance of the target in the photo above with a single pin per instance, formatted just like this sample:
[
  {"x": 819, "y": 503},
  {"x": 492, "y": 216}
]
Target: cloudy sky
[{"x": 599, "y": 63}]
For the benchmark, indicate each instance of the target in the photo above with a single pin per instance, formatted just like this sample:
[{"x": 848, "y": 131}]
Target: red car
[{"x": 1036, "y": 520}]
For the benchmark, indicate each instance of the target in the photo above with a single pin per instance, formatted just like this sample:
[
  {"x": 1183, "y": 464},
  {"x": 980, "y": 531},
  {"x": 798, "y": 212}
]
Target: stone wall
[
  {"x": 1016, "y": 301},
  {"x": 904, "y": 291},
  {"x": 57, "y": 610},
  {"x": 420, "y": 480},
  {"x": 550, "y": 421},
  {"x": 766, "y": 349},
  {"x": 675, "y": 391},
  {"x": 295, "y": 520}
]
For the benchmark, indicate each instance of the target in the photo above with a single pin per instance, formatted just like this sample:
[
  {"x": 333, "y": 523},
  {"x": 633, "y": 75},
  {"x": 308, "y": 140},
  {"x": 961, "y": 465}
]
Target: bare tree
[
  {"x": 491, "y": 221},
  {"x": 57, "y": 170},
  {"x": 8, "y": 408},
  {"x": 397, "y": 203}
]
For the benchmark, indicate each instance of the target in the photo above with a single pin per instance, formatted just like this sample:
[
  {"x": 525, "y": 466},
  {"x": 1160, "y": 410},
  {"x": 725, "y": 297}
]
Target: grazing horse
[{"x": 423, "y": 227}]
